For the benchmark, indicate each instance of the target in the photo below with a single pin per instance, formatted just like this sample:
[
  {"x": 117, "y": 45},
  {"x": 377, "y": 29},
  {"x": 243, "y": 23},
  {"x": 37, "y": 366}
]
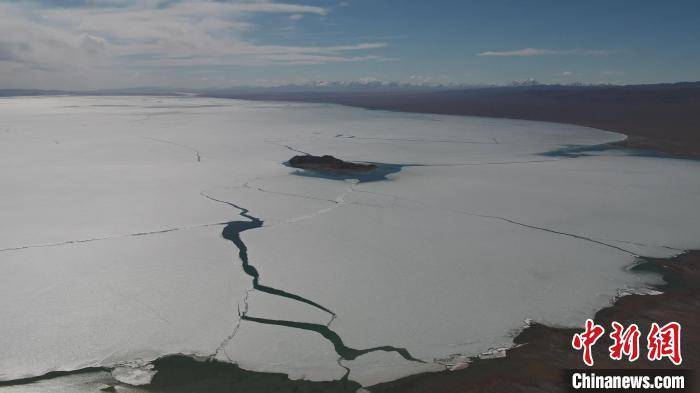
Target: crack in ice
[
  {"x": 232, "y": 233},
  {"x": 292, "y": 195},
  {"x": 109, "y": 237},
  {"x": 347, "y": 353},
  {"x": 222, "y": 346},
  {"x": 346, "y": 136},
  {"x": 288, "y": 147},
  {"x": 197, "y": 155},
  {"x": 508, "y": 220}
]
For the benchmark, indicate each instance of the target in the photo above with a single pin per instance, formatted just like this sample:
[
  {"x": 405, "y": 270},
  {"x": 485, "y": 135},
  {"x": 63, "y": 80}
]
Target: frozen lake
[{"x": 113, "y": 208}]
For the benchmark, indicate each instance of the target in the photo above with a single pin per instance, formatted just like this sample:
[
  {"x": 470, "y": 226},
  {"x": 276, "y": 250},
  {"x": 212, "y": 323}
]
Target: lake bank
[
  {"x": 661, "y": 117},
  {"x": 542, "y": 352}
]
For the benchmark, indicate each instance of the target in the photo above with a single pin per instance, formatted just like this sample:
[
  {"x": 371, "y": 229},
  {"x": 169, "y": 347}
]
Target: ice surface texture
[{"x": 111, "y": 251}]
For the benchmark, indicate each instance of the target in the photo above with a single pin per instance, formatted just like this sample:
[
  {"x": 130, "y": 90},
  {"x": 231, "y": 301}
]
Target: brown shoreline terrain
[
  {"x": 536, "y": 365},
  {"x": 660, "y": 117}
]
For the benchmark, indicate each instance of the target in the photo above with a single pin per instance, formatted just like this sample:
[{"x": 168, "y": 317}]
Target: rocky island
[{"x": 328, "y": 164}]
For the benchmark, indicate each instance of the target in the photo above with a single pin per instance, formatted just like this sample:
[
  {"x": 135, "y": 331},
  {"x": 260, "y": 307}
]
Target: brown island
[{"x": 328, "y": 164}]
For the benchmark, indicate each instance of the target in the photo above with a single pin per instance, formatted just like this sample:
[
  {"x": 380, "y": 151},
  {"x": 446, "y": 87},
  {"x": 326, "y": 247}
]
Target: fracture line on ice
[
  {"x": 416, "y": 140},
  {"x": 639, "y": 244},
  {"x": 508, "y": 220},
  {"x": 197, "y": 155},
  {"x": 347, "y": 369},
  {"x": 288, "y": 147},
  {"x": 291, "y": 194},
  {"x": 487, "y": 163},
  {"x": 336, "y": 203},
  {"x": 548, "y": 230},
  {"x": 345, "y": 352},
  {"x": 96, "y": 239},
  {"x": 232, "y": 233},
  {"x": 222, "y": 346}
]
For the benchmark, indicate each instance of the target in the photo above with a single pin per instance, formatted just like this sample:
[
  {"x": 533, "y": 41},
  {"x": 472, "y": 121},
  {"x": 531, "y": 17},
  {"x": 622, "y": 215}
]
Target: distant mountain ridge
[{"x": 358, "y": 86}]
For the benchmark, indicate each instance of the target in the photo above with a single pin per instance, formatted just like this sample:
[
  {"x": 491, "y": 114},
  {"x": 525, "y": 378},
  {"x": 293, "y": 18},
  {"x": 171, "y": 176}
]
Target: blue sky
[{"x": 200, "y": 43}]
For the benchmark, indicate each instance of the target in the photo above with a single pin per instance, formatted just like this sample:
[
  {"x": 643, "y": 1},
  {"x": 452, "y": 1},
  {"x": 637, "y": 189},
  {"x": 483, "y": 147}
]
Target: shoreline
[
  {"x": 643, "y": 113},
  {"x": 541, "y": 352},
  {"x": 534, "y": 363}
]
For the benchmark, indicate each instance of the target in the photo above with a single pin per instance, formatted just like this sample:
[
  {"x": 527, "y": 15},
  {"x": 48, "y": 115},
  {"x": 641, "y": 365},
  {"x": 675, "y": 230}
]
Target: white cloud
[
  {"x": 105, "y": 41},
  {"x": 567, "y": 73},
  {"x": 420, "y": 78},
  {"x": 546, "y": 52},
  {"x": 612, "y": 72}
]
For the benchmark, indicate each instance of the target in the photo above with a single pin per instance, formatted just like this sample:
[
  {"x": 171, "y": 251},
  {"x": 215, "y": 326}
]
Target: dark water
[
  {"x": 232, "y": 232},
  {"x": 341, "y": 349},
  {"x": 574, "y": 151},
  {"x": 52, "y": 375}
]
